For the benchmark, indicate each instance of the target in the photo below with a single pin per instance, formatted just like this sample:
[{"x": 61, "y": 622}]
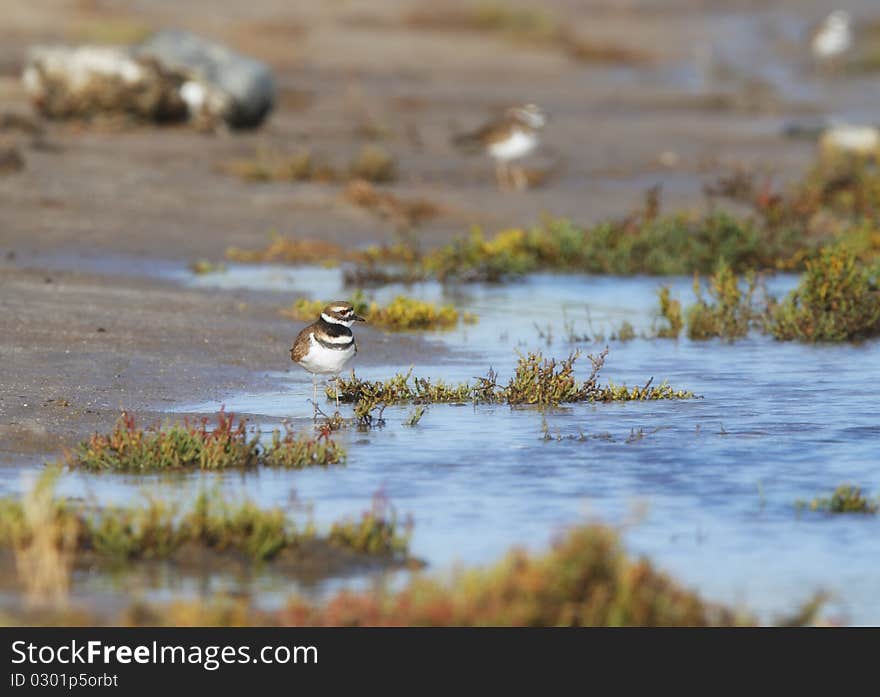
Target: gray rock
[{"x": 220, "y": 82}]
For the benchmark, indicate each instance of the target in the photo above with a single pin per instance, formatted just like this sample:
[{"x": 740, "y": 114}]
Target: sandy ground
[{"x": 77, "y": 346}]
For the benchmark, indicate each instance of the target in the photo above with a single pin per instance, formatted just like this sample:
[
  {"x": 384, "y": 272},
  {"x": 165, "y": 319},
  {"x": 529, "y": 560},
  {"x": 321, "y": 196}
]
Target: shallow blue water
[{"x": 707, "y": 492}]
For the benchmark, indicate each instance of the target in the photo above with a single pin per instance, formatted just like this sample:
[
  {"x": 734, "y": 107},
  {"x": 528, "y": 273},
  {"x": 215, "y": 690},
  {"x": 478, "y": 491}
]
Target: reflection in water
[{"x": 707, "y": 491}]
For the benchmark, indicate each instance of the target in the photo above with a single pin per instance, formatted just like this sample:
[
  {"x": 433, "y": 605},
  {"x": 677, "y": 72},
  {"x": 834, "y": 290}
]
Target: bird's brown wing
[
  {"x": 486, "y": 135},
  {"x": 301, "y": 345}
]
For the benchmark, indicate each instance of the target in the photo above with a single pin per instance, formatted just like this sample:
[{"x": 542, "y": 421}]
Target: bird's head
[
  {"x": 341, "y": 312},
  {"x": 529, "y": 114},
  {"x": 839, "y": 18}
]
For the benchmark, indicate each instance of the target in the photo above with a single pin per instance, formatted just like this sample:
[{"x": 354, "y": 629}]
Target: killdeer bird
[
  {"x": 513, "y": 136},
  {"x": 326, "y": 345},
  {"x": 832, "y": 38}
]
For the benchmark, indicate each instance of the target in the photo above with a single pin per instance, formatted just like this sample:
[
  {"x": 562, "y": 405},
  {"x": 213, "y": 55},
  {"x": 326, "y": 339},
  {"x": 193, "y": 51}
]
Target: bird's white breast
[
  {"x": 323, "y": 360},
  {"x": 832, "y": 41},
  {"x": 518, "y": 144}
]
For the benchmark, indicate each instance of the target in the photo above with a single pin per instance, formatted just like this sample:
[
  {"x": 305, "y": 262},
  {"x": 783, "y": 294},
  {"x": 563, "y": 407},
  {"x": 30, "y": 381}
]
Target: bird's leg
[
  {"x": 315, "y": 395},
  {"x": 520, "y": 180},
  {"x": 336, "y": 382},
  {"x": 501, "y": 174}
]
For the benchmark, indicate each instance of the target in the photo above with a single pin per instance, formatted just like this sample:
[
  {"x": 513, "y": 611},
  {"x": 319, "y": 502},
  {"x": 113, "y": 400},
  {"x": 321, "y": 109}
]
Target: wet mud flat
[
  {"x": 351, "y": 77},
  {"x": 80, "y": 347}
]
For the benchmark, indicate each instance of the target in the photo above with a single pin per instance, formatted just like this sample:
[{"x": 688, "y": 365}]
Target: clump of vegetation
[
  {"x": 368, "y": 413},
  {"x": 591, "y": 51},
  {"x": 670, "y": 312},
  {"x": 847, "y": 188},
  {"x": 372, "y": 164},
  {"x": 292, "y": 451},
  {"x": 539, "y": 380},
  {"x": 586, "y": 579},
  {"x": 404, "y": 213},
  {"x": 641, "y": 244},
  {"x": 401, "y": 314},
  {"x": 268, "y": 165},
  {"x": 11, "y": 159},
  {"x": 160, "y": 530},
  {"x": 832, "y": 204},
  {"x": 193, "y": 445},
  {"x": 415, "y": 416},
  {"x": 536, "y": 381},
  {"x": 156, "y": 530},
  {"x": 43, "y": 540},
  {"x": 845, "y": 499},
  {"x": 625, "y": 332},
  {"x": 405, "y": 313},
  {"x": 786, "y": 229},
  {"x": 836, "y": 300},
  {"x": 205, "y": 266},
  {"x": 729, "y": 314},
  {"x": 377, "y": 531},
  {"x": 288, "y": 250},
  {"x": 400, "y": 389},
  {"x": 304, "y": 309},
  {"x": 475, "y": 258},
  {"x": 837, "y": 201}
]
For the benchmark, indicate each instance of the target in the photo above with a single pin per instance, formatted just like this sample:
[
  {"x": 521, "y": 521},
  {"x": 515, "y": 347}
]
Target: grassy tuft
[
  {"x": 373, "y": 164},
  {"x": 585, "y": 579},
  {"x": 641, "y": 244},
  {"x": 625, "y": 332},
  {"x": 376, "y": 532},
  {"x": 845, "y": 499},
  {"x": 269, "y": 165},
  {"x": 160, "y": 530},
  {"x": 205, "y": 266},
  {"x": 404, "y": 213},
  {"x": 291, "y": 451},
  {"x": 401, "y": 314},
  {"x": 415, "y": 416},
  {"x": 729, "y": 312},
  {"x": 155, "y": 530},
  {"x": 836, "y": 300},
  {"x": 670, "y": 313},
  {"x": 287, "y": 250},
  {"x": 43, "y": 539},
  {"x": 408, "y": 313},
  {"x": 536, "y": 381},
  {"x": 191, "y": 445}
]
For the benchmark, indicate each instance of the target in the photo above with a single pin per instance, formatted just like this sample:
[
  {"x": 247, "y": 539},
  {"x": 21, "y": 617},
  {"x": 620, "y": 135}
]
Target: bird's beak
[{"x": 358, "y": 318}]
